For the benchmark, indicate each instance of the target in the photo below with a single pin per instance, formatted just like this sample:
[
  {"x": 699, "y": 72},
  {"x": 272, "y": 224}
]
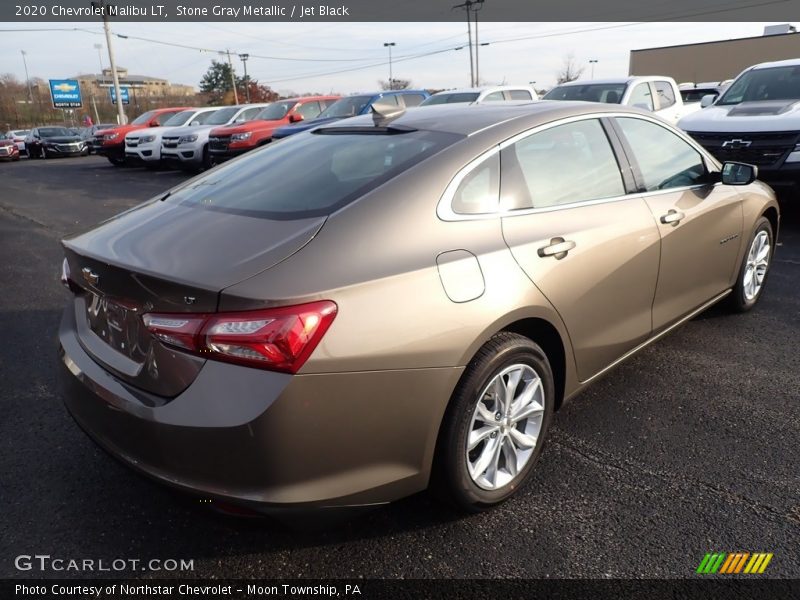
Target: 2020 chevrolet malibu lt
[{"x": 398, "y": 300}]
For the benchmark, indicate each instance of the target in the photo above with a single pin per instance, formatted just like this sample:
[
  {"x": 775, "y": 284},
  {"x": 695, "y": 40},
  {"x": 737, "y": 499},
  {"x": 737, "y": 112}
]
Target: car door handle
[
  {"x": 673, "y": 217},
  {"x": 558, "y": 248}
]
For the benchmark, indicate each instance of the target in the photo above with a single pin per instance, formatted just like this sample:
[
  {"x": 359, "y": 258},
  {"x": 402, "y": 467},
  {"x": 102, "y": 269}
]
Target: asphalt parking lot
[{"x": 691, "y": 447}]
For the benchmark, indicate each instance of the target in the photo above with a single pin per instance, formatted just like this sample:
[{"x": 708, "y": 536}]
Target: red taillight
[{"x": 278, "y": 339}]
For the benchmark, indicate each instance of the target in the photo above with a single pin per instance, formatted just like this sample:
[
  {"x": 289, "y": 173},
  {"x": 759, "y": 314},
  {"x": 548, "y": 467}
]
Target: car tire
[
  {"x": 43, "y": 153},
  {"x": 117, "y": 162},
  {"x": 754, "y": 269},
  {"x": 208, "y": 162},
  {"x": 458, "y": 475}
]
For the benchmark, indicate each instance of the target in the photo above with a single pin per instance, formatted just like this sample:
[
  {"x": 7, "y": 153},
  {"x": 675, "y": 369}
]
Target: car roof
[
  {"x": 485, "y": 88},
  {"x": 613, "y": 80},
  {"x": 468, "y": 119},
  {"x": 792, "y": 62}
]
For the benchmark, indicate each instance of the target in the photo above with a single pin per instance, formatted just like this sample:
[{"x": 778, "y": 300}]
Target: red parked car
[
  {"x": 111, "y": 142},
  {"x": 8, "y": 150},
  {"x": 233, "y": 140}
]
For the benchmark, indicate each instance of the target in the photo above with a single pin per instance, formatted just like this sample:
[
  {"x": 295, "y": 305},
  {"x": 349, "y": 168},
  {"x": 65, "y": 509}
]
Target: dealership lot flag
[{"x": 66, "y": 93}]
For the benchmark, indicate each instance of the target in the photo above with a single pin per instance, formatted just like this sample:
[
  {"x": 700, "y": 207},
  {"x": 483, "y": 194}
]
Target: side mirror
[
  {"x": 296, "y": 118},
  {"x": 735, "y": 173},
  {"x": 707, "y": 100}
]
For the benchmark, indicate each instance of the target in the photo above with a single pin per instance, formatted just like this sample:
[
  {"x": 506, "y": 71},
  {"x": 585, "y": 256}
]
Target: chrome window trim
[{"x": 444, "y": 209}]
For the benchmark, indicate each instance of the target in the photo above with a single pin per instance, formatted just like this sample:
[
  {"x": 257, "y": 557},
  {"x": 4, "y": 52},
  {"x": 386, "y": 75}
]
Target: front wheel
[
  {"x": 495, "y": 426},
  {"x": 754, "y": 269},
  {"x": 116, "y": 161},
  {"x": 43, "y": 153}
]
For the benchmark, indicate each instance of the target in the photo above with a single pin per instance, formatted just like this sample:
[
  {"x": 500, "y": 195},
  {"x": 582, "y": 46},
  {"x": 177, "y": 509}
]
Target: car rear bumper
[{"x": 266, "y": 440}]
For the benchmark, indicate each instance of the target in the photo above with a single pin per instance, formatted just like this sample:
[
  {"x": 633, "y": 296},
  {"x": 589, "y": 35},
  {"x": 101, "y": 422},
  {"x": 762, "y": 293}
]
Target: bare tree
[
  {"x": 395, "y": 84},
  {"x": 570, "y": 70}
]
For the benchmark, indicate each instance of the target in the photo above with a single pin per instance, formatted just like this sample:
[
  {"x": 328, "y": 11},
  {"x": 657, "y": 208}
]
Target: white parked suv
[
  {"x": 479, "y": 95},
  {"x": 657, "y": 94},
  {"x": 187, "y": 147},
  {"x": 143, "y": 146},
  {"x": 756, "y": 120}
]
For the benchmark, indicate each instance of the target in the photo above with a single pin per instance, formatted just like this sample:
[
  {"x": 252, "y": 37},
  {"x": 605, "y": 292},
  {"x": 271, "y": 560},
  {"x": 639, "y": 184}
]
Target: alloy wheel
[
  {"x": 505, "y": 426},
  {"x": 756, "y": 266}
]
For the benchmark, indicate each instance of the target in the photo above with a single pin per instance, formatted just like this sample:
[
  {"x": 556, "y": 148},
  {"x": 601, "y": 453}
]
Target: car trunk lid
[{"x": 166, "y": 258}]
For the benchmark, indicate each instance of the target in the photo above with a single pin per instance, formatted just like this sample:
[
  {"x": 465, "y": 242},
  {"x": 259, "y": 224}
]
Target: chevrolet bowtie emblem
[
  {"x": 736, "y": 144},
  {"x": 90, "y": 276}
]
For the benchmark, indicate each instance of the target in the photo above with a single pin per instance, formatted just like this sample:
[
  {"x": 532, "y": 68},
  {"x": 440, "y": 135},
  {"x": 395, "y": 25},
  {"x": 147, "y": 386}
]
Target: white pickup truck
[
  {"x": 657, "y": 94},
  {"x": 756, "y": 120}
]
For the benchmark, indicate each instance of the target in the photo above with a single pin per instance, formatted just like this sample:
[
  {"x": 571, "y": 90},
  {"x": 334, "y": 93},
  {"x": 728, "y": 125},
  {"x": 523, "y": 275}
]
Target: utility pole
[
  {"x": 593, "y": 62},
  {"x": 467, "y": 6},
  {"x": 233, "y": 79},
  {"x": 101, "y": 4},
  {"x": 27, "y": 79},
  {"x": 479, "y": 3},
  {"x": 244, "y": 58},
  {"x": 390, "y": 45}
]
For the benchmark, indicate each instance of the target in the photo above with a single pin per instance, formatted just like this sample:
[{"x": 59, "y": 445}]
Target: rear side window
[
  {"x": 479, "y": 192},
  {"x": 561, "y": 165},
  {"x": 310, "y": 174},
  {"x": 388, "y": 99},
  {"x": 309, "y": 110},
  {"x": 641, "y": 97},
  {"x": 665, "y": 93},
  {"x": 665, "y": 160},
  {"x": 494, "y": 97},
  {"x": 519, "y": 95},
  {"x": 413, "y": 99}
]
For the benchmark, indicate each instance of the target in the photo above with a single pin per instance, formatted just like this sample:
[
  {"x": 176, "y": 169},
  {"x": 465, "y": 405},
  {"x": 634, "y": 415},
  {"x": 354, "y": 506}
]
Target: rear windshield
[
  {"x": 276, "y": 111},
  {"x": 610, "y": 93},
  {"x": 144, "y": 119},
  {"x": 310, "y": 174},
  {"x": 776, "y": 83},
  {"x": 346, "y": 107},
  {"x": 450, "y": 98},
  {"x": 223, "y": 115}
]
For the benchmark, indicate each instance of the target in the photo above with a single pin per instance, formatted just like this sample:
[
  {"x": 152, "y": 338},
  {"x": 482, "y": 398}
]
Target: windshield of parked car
[
  {"x": 610, "y": 93},
  {"x": 310, "y": 174},
  {"x": 183, "y": 118},
  {"x": 346, "y": 107},
  {"x": 775, "y": 83},
  {"x": 144, "y": 119},
  {"x": 54, "y": 131},
  {"x": 275, "y": 111},
  {"x": 223, "y": 115},
  {"x": 454, "y": 98}
]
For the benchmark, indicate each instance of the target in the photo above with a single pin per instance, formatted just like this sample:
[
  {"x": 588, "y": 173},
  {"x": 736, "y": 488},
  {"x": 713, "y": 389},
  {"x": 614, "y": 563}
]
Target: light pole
[
  {"x": 593, "y": 62},
  {"x": 390, "y": 45},
  {"x": 103, "y": 7},
  {"x": 233, "y": 77},
  {"x": 27, "y": 79},
  {"x": 243, "y": 58}
]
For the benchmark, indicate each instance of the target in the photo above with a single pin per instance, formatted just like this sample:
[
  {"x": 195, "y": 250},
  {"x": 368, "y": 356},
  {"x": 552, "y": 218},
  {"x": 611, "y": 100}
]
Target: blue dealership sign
[
  {"x": 66, "y": 93},
  {"x": 123, "y": 91}
]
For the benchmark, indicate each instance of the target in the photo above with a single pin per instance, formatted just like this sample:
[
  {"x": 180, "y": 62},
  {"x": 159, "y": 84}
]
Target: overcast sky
[{"x": 334, "y": 47}]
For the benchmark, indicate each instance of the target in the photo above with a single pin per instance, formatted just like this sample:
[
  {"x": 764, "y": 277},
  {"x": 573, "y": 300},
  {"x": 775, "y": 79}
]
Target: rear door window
[
  {"x": 519, "y": 95},
  {"x": 665, "y": 94},
  {"x": 309, "y": 110},
  {"x": 641, "y": 97},
  {"x": 494, "y": 97},
  {"x": 564, "y": 164},
  {"x": 413, "y": 99}
]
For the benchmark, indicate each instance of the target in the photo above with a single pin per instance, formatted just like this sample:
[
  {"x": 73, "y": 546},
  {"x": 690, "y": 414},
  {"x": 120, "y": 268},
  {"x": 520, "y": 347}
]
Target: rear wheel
[
  {"x": 754, "y": 269},
  {"x": 495, "y": 426}
]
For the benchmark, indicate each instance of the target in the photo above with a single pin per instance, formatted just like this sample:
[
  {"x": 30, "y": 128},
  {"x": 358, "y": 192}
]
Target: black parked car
[{"x": 47, "y": 142}]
